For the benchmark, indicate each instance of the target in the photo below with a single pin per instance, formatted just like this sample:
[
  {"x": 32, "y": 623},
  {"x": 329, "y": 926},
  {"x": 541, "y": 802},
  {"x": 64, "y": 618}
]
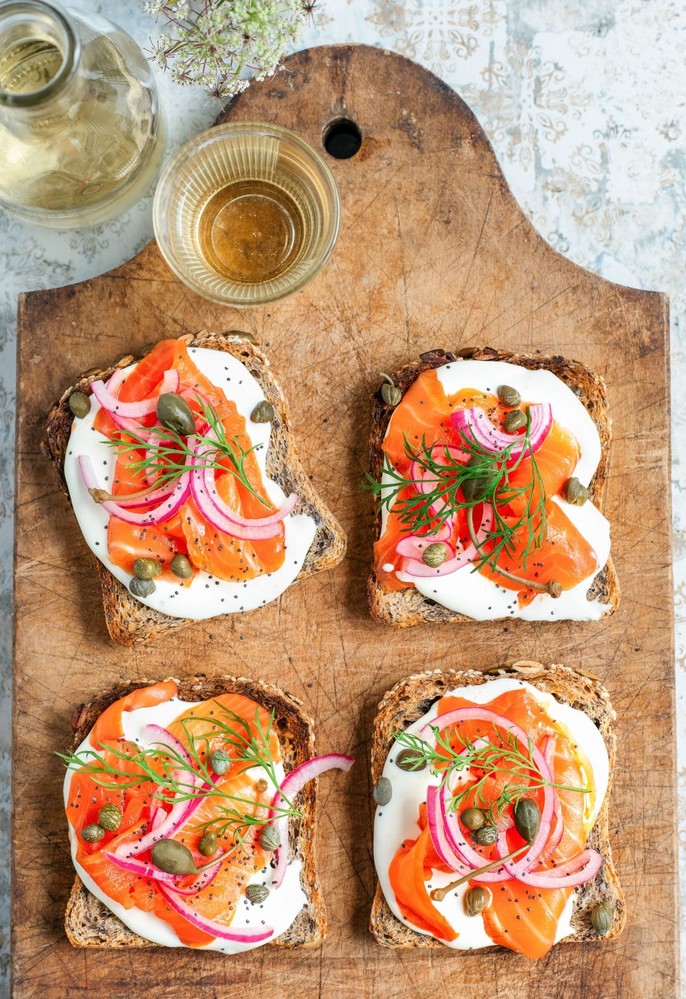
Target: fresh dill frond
[
  {"x": 502, "y": 756},
  {"x": 166, "y": 452}
]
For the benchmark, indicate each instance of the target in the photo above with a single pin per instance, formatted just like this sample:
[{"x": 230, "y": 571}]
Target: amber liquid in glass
[{"x": 251, "y": 231}]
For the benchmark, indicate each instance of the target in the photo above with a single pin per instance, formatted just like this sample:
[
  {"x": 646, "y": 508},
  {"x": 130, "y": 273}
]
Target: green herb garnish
[
  {"x": 166, "y": 452},
  {"x": 488, "y": 756},
  {"x": 172, "y": 773},
  {"x": 449, "y": 486}
]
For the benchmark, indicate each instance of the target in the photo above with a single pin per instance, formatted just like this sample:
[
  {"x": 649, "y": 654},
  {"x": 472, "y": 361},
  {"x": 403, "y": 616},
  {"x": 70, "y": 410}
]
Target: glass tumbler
[
  {"x": 246, "y": 213},
  {"x": 81, "y": 136}
]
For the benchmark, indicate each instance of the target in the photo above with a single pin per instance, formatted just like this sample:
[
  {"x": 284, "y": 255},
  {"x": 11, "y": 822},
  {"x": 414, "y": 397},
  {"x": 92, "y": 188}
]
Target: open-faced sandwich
[
  {"x": 491, "y": 821},
  {"x": 181, "y": 471},
  {"x": 191, "y": 810},
  {"x": 489, "y": 471}
]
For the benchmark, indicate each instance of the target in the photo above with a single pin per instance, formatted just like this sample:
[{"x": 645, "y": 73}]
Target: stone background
[{"x": 585, "y": 105}]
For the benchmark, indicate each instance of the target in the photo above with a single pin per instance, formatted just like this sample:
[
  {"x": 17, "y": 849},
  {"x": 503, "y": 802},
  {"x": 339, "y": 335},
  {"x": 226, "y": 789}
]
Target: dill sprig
[
  {"x": 173, "y": 775},
  {"x": 504, "y": 756},
  {"x": 449, "y": 486},
  {"x": 166, "y": 452}
]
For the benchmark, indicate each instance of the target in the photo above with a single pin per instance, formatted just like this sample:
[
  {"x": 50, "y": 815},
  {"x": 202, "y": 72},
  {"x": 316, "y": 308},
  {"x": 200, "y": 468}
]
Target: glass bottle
[{"x": 81, "y": 135}]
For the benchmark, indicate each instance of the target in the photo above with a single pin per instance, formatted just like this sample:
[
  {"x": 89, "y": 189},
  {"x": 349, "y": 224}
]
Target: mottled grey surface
[{"x": 584, "y": 104}]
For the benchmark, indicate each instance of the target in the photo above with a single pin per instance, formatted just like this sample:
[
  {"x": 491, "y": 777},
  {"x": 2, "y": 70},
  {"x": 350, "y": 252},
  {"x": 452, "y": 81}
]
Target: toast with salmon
[
  {"x": 551, "y": 567},
  {"x": 598, "y": 909},
  {"x": 131, "y": 620},
  {"x": 90, "y": 923}
]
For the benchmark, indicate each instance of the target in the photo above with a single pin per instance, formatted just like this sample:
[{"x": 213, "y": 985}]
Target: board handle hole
[{"x": 342, "y": 139}]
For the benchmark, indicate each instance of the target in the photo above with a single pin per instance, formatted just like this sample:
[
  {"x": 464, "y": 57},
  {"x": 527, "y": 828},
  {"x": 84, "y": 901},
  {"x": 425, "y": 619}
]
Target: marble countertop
[{"x": 584, "y": 105}]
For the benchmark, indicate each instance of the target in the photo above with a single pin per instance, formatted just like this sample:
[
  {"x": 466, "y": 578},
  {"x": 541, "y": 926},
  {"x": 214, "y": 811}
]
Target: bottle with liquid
[{"x": 81, "y": 135}]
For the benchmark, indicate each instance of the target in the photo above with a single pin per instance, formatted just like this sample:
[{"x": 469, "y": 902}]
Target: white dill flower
[{"x": 217, "y": 43}]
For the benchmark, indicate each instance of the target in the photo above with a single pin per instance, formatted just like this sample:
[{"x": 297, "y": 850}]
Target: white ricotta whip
[
  {"x": 397, "y": 821},
  {"x": 468, "y": 592},
  {"x": 207, "y": 596},
  {"x": 278, "y": 910}
]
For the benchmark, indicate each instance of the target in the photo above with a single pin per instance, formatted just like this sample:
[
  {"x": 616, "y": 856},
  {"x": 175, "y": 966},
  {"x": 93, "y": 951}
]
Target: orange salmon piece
[{"x": 407, "y": 877}]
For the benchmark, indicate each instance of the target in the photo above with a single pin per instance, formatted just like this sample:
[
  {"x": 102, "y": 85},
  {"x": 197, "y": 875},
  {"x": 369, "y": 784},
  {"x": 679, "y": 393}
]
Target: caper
[
  {"x": 181, "y": 566},
  {"x": 601, "y": 918},
  {"x": 407, "y": 759},
  {"x": 476, "y": 900},
  {"x": 263, "y": 412},
  {"x": 435, "y": 554},
  {"x": 146, "y": 568},
  {"x": 93, "y": 833},
  {"x": 79, "y": 404},
  {"x": 208, "y": 844},
  {"x": 476, "y": 487},
  {"x": 175, "y": 414},
  {"x": 527, "y": 818},
  {"x": 383, "y": 791},
  {"x": 391, "y": 394},
  {"x": 141, "y": 587},
  {"x": 257, "y": 893},
  {"x": 510, "y": 396},
  {"x": 574, "y": 492},
  {"x": 220, "y": 761},
  {"x": 110, "y": 817},
  {"x": 270, "y": 839},
  {"x": 473, "y": 818},
  {"x": 173, "y": 857},
  {"x": 485, "y": 836},
  {"x": 514, "y": 421}
]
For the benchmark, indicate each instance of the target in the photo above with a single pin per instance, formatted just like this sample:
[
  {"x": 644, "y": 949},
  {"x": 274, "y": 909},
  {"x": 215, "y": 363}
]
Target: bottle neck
[{"x": 39, "y": 54}]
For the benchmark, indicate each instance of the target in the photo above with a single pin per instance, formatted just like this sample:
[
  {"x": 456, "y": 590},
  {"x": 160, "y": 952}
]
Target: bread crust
[
  {"x": 89, "y": 923},
  {"x": 407, "y": 608},
  {"x": 412, "y": 697},
  {"x": 131, "y": 622}
]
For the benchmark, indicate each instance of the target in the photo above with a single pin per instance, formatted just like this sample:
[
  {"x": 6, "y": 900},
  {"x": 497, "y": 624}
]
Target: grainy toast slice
[
  {"x": 405, "y": 608},
  {"x": 130, "y": 622},
  {"x": 89, "y": 923},
  {"x": 413, "y": 696}
]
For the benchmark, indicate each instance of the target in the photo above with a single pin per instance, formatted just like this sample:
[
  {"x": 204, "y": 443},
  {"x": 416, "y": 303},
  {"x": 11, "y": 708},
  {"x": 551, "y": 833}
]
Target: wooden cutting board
[{"x": 433, "y": 251}]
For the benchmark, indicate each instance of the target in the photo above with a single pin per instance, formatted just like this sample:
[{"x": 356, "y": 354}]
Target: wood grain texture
[{"x": 433, "y": 251}]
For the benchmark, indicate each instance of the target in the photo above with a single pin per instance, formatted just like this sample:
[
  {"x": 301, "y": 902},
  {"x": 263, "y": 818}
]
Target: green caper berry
[
  {"x": 175, "y": 414},
  {"x": 257, "y": 894},
  {"x": 527, "y": 818},
  {"x": 173, "y": 857},
  {"x": 141, "y": 587},
  {"x": 79, "y": 404},
  {"x": 93, "y": 833},
  {"x": 574, "y": 492},
  {"x": 435, "y": 555},
  {"x": 510, "y": 396},
  {"x": 220, "y": 761},
  {"x": 146, "y": 568},
  {"x": 476, "y": 900},
  {"x": 473, "y": 819},
  {"x": 514, "y": 421},
  {"x": 263, "y": 412},
  {"x": 208, "y": 844},
  {"x": 181, "y": 566},
  {"x": 110, "y": 817},
  {"x": 476, "y": 487},
  {"x": 485, "y": 836},
  {"x": 408, "y": 760},
  {"x": 383, "y": 791},
  {"x": 391, "y": 394},
  {"x": 270, "y": 839},
  {"x": 601, "y": 918}
]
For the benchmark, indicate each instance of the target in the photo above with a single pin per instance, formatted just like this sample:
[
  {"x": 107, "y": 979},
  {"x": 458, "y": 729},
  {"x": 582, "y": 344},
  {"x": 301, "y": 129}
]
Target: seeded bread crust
[
  {"x": 406, "y": 608},
  {"x": 412, "y": 698},
  {"x": 131, "y": 622},
  {"x": 89, "y": 923}
]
